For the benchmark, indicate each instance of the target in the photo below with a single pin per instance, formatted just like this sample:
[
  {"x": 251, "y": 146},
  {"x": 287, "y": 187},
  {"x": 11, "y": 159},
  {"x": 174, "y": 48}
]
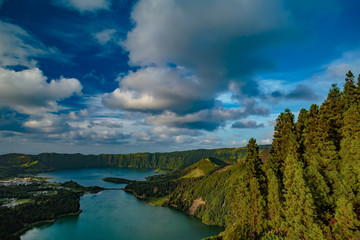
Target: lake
[{"x": 116, "y": 215}]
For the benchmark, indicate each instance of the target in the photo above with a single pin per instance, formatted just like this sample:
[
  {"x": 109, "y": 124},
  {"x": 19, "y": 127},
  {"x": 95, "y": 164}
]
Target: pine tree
[
  {"x": 247, "y": 207},
  {"x": 254, "y": 164},
  {"x": 299, "y": 208},
  {"x": 331, "y": 115},
  {"x": 346, "y": 224},
  {"x": 358, "y": 90},
  {"x": 283, "y": 129},
  {"x": 247, "y": 203},
  {"x": 349, "y": 93},
  {"x": 274, "y": 203},
  {"x": 321, "y": 160},
  {"x": 299, "y": 129},
  {"x": 350, "y": 149}
]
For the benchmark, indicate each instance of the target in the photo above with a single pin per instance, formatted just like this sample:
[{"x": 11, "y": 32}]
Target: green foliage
[
  {"x": 117, "y": 180},
  {"x": 274, "y": 203},
  {"x": 330, "y": 115},
  {"x": 283, "y": 129},
  {"x": 247, "y": 207},
  {"x": 14, "y": 164},
  {"x": 299, "y": 210},
  {"x": 349, "y": 94},
  {"x": 204, "y": 167},
  {"x": 44, "y": 207},
  {"x": 309, "y": 188}
]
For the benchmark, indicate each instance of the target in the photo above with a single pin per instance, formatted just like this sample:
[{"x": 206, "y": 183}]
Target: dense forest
[
  {"x": 308, "y": 188},
  {"x": 41, "y": 208},
  {"x": 62, "y": 200},
  {"x": 14, "y": 164}
]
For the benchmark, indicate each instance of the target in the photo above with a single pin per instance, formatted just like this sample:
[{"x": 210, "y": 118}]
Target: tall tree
[
  {"x": 247, "y": 203},
  {"x": 358, "y": 90},
  {"x": 321, "y": 160},
  {"x": 349, "y": 93},
  {"x": 274, "y": 202},
  {"x": 299, "y": 129},
  {"x": 299, "y": 208},
  {"x": 247, "y": 207},
  {"x": 284, "y": 128},
  {"x": 350, "y": 148},
  {"x": 254, "y": 164},
  {"x": 346, "y": 224},
  {"x": 331, "y": 115}
]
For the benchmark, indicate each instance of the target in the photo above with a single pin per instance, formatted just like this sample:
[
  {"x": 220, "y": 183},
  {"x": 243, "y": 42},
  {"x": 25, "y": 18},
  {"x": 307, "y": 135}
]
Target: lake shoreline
[{"x": 38, "y": 223}]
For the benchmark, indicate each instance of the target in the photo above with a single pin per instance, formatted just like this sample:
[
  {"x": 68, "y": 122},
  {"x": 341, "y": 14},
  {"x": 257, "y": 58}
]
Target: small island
[{"x": 118, "y": 180}]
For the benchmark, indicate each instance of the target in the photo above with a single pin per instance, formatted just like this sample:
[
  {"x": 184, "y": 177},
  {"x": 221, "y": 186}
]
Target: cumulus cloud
[
  {"x": 84, "y": 5},
  {"x": 155, "y": 89},
  {"x": 247, "y": 123},
  {"x": 188, "y": 53},
  {"x": 28, "y": 91},
  {"x": 46, "y": 123},
  {"x": 209, "y": 45}
]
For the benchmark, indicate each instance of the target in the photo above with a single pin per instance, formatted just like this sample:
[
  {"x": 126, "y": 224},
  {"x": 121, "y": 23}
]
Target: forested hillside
[
  {"x": 13, "y": 164},
  {"x": 307, "y": 189}
]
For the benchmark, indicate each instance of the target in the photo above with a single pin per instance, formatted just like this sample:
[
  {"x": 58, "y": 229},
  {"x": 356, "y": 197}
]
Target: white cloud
[
  {"x": 238, "y": 143},
  {"x": 171, "y": 30},
  {"x": 28, "y": 91},
  {"x": 84, "y": 5},
  {"x": 335, "y": 71},
  {"x": 105, "y": 36},
  {"x": 266, "y": 141},
  {"x": 208, "y": 45},
  {"x": 46, "y": 123},
  {"x": 17, "y": 47},
  {"x": 156, "y": 89}
]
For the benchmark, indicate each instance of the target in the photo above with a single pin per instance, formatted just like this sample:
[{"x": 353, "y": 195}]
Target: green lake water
[{"x": 117, "y": 215}]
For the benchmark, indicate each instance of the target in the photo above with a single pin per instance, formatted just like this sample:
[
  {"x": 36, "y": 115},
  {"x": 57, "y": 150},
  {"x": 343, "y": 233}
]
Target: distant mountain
[{"x": 13, "y": 164}]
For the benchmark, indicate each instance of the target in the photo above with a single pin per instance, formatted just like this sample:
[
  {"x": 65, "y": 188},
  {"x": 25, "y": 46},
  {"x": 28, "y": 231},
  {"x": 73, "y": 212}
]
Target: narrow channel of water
[{"x": 111, "y": 215}]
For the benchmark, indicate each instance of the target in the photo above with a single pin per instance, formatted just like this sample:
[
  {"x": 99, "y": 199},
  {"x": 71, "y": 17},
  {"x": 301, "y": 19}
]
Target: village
[{"x": 20, "y": 190}]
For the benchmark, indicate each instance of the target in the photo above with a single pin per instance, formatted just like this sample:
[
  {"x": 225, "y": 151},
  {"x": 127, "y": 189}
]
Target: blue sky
[{"x": 117, "y": 76}]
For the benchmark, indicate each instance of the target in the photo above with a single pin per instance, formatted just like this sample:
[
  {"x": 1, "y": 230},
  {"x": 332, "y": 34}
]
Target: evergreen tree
[
  {"x": 346, "y": 224},
  {"x": 274, "y": 203},
  {"x": 321, "y": 160},
  {"x": 350, "y": 149},
  {"x": 349, "y": 93},
  {"x": 358, "y": 90},
  {"x": 299, "y": 208},
  {"x": 254, "y": 164},
  {"x": 331, "y": 115},
  {"x": 299, "y": 129},
  {"x": 320, "y": 150},
  {"x": 247, "y": 203},
  {"x": 283, "y": 129},
  {"x": 247, "y": 207}
]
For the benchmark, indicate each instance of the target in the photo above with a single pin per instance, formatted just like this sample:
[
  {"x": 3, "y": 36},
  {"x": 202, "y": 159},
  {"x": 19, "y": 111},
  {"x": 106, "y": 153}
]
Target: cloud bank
[{"x": 187, "y": 53}]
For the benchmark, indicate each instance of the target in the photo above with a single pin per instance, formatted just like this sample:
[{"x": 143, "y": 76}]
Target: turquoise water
[{"x": 116, "y": 215}]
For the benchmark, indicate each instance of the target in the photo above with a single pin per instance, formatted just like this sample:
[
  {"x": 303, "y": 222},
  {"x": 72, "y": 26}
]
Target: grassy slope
[{"x": 213, "y": 186}]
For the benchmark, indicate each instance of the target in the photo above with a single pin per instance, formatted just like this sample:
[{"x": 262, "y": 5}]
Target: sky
[{"x": 121, "y": 76}]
